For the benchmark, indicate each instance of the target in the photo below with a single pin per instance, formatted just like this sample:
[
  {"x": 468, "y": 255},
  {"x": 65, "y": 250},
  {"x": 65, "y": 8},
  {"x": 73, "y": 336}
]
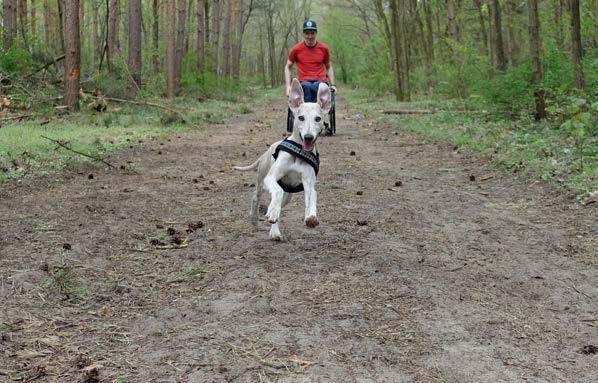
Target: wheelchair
[{"x": 329, "y": 128}]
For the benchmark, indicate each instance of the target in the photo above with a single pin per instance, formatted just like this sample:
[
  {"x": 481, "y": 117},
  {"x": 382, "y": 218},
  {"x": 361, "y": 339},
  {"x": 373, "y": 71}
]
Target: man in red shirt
[{"x": 313, "y": 63}]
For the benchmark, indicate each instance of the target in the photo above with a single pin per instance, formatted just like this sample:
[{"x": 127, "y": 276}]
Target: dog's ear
[
  {"x": 324, "y": 97},
  {"x": 296, "y": 96}
]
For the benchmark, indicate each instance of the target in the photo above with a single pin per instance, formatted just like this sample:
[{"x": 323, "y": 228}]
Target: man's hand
[
  {"x": 333, "y": 87},
  {"x": 288, "y": 91}
]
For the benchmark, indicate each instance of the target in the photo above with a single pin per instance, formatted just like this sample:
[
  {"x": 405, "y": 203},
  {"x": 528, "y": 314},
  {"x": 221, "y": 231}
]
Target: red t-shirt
[{"x": 311, "y": 61}]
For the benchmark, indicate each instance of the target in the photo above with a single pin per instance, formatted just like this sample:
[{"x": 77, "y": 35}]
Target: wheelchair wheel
[
  {"x": 332, "y": 114},
  {"x": 290, "y": 121}
]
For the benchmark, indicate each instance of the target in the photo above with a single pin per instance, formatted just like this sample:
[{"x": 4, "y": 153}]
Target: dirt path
[{"x": 428, "y": 266}]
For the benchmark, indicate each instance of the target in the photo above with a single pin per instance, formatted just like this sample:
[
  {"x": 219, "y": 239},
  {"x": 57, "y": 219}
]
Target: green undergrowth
[
  {"x": 546, "y": 150},
  {"x": 37, "y": 146}
]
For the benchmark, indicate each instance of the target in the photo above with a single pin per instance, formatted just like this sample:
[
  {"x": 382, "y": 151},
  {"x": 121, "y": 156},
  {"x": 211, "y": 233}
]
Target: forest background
[{"x": 516, "y": 80}]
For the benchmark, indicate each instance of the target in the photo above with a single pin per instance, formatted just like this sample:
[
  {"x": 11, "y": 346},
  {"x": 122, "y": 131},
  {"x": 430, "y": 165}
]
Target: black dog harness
[{"x": 295, "y": 149}]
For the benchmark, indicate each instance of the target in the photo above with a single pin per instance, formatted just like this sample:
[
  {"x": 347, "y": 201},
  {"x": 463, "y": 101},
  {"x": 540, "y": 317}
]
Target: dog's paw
[
  {"x": 275, "y": 234},
  {"x": 312, "y": 221},
  {"x": 276, "y": 237},
  {"x": 273, "y": 215}
]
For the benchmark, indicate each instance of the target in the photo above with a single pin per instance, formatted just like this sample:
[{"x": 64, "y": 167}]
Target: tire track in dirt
[{"x": 441, "y": 277}]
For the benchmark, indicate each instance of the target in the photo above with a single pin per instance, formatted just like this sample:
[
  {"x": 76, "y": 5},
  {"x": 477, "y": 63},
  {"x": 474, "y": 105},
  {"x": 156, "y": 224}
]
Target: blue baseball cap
[{"x": 310, "y": 25}]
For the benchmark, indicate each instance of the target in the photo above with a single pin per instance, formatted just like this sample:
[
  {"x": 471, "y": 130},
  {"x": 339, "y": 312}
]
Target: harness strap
[{"x": 295, "y": 149}]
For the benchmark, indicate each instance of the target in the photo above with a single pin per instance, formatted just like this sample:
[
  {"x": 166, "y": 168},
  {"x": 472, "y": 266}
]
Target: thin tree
[
  {"x": 113, "y": 14},
  {"x": 22, "y": 14},
  {"x": 134, "y": 61},
  {"x": 215, "y": 35},
  {"x": 535, "y": 46},
  {"x": 156, "y": 35},
  {"x": 452, "y": 19},
  {"x": 170, "y": 59},
  {"x": 483, "y": 32},
  {"x": 397, "y": 49},
  {"x": 576, "y": 44},
  {"x": 33, "y": 19},
  {"x": 201, "y": 32},
  {"x": 226, "y": 38},
  {"x": 95, "y": 36},
  {"x": 9, "y": 27},
  {"x": 499, "y": 59},
  {"x": 180, "y": 43},
  {"x": 72, "y": 55}
]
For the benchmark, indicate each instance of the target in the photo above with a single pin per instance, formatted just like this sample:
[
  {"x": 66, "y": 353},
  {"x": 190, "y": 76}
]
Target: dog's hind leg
[
  {"x": 275, "y": 234},
  {"x": 257, "y": 194}
]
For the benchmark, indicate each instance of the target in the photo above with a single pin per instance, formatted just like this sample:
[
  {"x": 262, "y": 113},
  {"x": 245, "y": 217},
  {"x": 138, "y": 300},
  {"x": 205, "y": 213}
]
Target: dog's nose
[{"x": 308, "y": 137}]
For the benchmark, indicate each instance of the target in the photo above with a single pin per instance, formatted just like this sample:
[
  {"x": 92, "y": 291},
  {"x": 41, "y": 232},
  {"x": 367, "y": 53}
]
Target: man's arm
[
  {"x": 330, "y": 73},
  {"x": 287, "y": 76}
]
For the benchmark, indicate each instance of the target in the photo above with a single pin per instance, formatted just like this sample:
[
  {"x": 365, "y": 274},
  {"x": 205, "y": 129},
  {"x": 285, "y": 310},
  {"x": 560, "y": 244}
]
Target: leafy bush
[{"x": 15, "y": 61}]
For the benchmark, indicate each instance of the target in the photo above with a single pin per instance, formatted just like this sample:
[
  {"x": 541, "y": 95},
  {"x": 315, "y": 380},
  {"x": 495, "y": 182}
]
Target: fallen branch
[
  {"x": 409, "y": 111},
  {"x": 20, "y": 116},
  {"x": 173, "y": 247},
  {"x": 63, "y": 145},
  {"x": 56, "y": 59},
  {"x": 141, "y": 103}
]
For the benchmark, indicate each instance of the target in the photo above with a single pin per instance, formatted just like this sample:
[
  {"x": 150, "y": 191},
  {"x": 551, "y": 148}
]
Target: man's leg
[{"x": 310, "y": 90}]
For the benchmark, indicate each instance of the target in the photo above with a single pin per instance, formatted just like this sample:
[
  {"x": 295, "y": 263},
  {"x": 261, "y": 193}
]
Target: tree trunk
[
  {"x": 170, "y": 59},
  {"x": 47, "y": 24},
  {"x": 95, "y": 37},
  {"x": 156, "y": 36},
  {"x": 226, "y": 53},
  {"x": 510, "y": 41},
  {"x": 558, "y": 21},
  {"x": 483, "y": 32},
  {"x": 61, "y": 23},
  {"x": 33, "y": 20},
  {"x": 215, "y": 36},
  {"x": 134, "y": 61},
  {"x": 499, "y": 59},
  {"x": 381, "y": 15},
  {"x": 397, "y": 49},
  {"x": 535, "y": 46},
  {"x": 452, "y": 20},
  {"x": 9, "y": 28},
  {"x": 269, "y": 15},
  {"x": 72, "y": 55},
  {"x": 180, "y": 43},
  {"x": 576, "y": 44},
  {"x": 113, "y": 27},
  {"x": 429, "y": 29},
  {"x": 238, "y": 39},
  {"x": 22, "y": 14},
  {"x": 201, "y": 32}
]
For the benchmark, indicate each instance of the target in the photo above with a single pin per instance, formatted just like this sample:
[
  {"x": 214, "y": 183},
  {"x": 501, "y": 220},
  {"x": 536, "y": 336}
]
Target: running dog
[{"x": 291, "y": 165}]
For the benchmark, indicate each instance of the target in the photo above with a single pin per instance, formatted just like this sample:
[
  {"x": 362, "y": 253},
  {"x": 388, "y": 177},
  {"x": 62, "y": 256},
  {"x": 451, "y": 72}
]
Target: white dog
[{"x": 291, "y": 165}]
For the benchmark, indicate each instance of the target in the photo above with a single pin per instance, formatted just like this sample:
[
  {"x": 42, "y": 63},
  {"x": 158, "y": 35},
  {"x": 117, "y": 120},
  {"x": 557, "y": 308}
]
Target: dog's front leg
[
  {"x": 311, "y": 199},
  {"x": 276, "y": 194}
]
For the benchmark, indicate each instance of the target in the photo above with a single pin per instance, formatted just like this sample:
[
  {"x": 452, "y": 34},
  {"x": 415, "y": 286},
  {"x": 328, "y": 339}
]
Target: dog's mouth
[
  {"x": 308, "y": 146},
  {"x": 308, "y": 143}
]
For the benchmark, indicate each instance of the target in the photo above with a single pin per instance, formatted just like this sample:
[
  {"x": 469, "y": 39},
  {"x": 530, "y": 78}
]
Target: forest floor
[{"x": 428, "y": 265}]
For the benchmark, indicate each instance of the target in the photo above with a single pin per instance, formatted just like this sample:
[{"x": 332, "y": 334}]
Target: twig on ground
[
  {"x": 63, "y": 145},
  {"x": 173, "y": 247},
  {"x": 142, "y": 103}
]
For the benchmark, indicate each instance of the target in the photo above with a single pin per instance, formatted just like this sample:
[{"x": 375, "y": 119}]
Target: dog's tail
[{"x": 249, "y": 167}]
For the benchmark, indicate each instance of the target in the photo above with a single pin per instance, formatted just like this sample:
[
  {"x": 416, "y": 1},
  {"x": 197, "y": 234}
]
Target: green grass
[
  {"x": 537, "y": 150},
  {"x": 25, "y": 151},
  {"x": 187, "y": 274},
  {"x": 65, "y": 281}
]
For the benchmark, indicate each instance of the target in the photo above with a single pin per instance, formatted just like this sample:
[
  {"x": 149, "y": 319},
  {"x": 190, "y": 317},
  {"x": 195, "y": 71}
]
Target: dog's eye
[
  {"x": 301, "y": 118},
  {"x": 318, "y": 119}
]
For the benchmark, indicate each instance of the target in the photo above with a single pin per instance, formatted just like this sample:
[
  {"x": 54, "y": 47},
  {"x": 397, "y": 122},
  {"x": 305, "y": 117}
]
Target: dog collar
[{"x": 295, "y": 149}]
